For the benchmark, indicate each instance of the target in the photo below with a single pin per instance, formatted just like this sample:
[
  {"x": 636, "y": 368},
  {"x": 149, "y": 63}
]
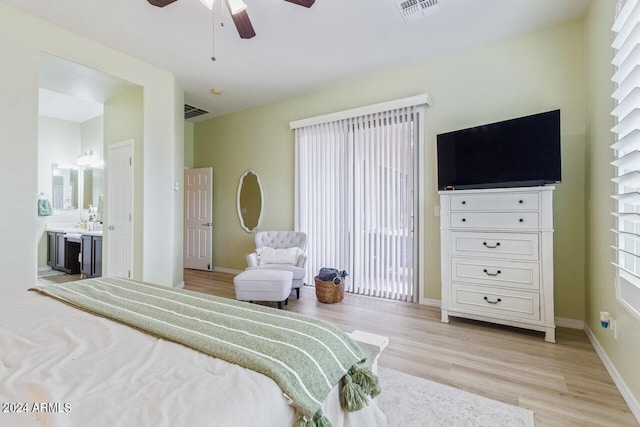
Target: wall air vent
[
  {"x": 190, "y": 111},
  {"x": 412, "y": 10}
]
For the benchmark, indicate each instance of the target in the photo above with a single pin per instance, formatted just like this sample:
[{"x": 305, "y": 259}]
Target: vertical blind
[
  {"x": 323, "y": 191},
  {"x": 355, "y": 199},
  {"x": 627, "y": 153}
]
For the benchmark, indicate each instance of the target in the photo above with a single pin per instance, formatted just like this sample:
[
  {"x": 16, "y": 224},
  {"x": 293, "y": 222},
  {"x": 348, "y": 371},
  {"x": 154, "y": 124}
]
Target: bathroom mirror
[
  {"x": 93, "y": 190},
  {"x": 250, "y": 201},
  {"x": 64, "y": 193}
]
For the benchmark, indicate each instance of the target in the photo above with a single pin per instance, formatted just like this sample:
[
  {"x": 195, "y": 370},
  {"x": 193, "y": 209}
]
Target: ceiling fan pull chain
[
  {"x": 213, "y": 26},
  {"x": 213, "y": 34}
]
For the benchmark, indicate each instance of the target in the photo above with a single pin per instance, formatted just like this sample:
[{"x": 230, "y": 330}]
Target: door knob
[
  {"x": 110, "y": 228},
  {"x": 208, "y": 224}
]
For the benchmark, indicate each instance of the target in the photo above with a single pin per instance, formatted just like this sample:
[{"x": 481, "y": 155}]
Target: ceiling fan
[{"x": 238, "y": 10}]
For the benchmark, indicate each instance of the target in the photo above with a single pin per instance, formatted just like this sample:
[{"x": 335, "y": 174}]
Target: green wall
[
  {"x": 600, "y": 288},
  {"x": 257, "y": 139},
  {"x": 188, "y": 144},
  {"x": 537, "y": 72},
  {"x": 123, "y": 120}
]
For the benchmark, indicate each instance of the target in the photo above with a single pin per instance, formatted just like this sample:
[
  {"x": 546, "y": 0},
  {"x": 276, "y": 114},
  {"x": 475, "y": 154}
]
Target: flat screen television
[{"x": 513, "y": 153}]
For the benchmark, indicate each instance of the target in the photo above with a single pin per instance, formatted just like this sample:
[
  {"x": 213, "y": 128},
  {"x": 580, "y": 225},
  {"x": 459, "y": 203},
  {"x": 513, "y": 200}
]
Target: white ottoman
[{"x": 263, "y": 285}]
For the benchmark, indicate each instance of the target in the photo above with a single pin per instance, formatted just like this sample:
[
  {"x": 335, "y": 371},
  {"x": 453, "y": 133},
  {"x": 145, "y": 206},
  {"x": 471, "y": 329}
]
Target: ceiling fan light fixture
[
  {"x": 235, "y": 6},
  {"x": 208, "y": 4}
]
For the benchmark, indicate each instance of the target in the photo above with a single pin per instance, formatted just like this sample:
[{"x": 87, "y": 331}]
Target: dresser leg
[
  {"x": 550, "y": 335},
  {"x": 445, "y": 316}
]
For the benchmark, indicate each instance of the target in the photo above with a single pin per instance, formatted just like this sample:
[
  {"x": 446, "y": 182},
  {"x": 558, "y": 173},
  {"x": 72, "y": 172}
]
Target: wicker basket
[{"x": 328, "y": 292}]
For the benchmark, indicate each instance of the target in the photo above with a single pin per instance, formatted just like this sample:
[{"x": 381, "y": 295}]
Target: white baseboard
[
  {"x": 180, "y": 285},
  {"x": 627, "y": 395},
  {"x": 227, "y": 270},
  {"x": 634, "y": 405},
  {"x": 432, "y": 302},
  {"x": 570, "y": 323},
  {"x": 47, "y": 268}
]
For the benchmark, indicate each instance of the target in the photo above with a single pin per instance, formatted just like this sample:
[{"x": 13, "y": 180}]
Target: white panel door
[
  {"x": 198, "y": 219},
  {"x": 120, "y": 210}
]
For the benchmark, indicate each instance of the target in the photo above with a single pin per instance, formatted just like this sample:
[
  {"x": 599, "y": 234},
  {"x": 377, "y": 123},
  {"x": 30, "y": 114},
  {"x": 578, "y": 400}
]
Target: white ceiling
[
  {"x": 69, "y": 108},
  {"x": 296, "y": 50},
  {"x": 59, "y": 75},
  {"x": 73, "y": 92}
]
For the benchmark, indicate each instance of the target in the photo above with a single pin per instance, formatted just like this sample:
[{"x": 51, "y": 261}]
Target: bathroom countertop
[{"x": 60, "y": 227}]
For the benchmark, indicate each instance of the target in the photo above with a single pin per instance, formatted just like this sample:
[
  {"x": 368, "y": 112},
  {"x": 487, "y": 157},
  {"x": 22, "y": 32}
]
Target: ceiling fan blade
[
  {"x": 305, "y": 3},
  {"x": 161, "y": 3},
  {"x": 243, "y": 25}
]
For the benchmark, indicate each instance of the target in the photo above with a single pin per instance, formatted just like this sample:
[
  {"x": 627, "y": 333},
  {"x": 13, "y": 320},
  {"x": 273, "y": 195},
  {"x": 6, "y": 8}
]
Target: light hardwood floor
[
  {"x": 61, "y": 278},
  {"x": 565, "y": 384}
]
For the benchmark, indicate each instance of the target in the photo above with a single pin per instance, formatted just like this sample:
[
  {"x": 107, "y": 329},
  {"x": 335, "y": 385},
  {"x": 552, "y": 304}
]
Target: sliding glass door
[{"x": 356, "y": 200}]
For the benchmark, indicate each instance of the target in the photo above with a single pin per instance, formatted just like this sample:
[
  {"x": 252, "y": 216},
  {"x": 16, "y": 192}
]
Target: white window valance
[{"x": 422, "y": 99}]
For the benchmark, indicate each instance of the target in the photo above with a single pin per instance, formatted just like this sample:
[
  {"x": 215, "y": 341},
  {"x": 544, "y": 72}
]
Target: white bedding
[{"x": 97, "y": 372}]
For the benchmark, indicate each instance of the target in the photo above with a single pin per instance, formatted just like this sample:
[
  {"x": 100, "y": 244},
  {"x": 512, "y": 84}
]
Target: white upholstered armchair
[{"x": 293, "y": 260}]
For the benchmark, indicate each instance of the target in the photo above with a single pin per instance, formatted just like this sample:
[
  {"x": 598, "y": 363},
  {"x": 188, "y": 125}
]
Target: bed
[{"x": 64, "y": 366}]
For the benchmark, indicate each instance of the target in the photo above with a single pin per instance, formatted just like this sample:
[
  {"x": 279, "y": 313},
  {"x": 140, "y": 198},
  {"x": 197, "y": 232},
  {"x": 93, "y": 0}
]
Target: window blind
[{"x": 627, "y": 153}]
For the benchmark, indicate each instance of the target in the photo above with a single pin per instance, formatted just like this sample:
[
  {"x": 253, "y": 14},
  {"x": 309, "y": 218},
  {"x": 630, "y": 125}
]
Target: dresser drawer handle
[
  {"x": 521, "y": 201},
  {"x": 521, "y": 220},
  {"x": 491, "y": 274},
  {"x": 492, "y": 302},
  {"x": 464, "y": 219},
  {"x": 464, "y": 202},
  {"x": 491, "y": 247}
]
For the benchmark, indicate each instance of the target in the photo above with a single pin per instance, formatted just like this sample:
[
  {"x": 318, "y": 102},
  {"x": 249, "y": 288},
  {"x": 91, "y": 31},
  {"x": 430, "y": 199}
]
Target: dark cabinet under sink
[
  {"x": 63, "y": 253},
  {"x": 91, "y": 256}
]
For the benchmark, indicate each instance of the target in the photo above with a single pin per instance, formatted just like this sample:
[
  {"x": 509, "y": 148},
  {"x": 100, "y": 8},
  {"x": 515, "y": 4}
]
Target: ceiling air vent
[
  {"x": 412, "y": 10},
  {"x": 190, "y": 111}
]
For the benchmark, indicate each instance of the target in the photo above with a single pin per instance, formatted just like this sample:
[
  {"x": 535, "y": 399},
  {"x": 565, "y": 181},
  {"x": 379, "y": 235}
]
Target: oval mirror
[{"x": 250, "y": 201}]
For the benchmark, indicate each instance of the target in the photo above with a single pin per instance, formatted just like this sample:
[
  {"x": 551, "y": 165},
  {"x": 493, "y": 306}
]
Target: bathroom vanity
[{"x": 75, "y": 251}]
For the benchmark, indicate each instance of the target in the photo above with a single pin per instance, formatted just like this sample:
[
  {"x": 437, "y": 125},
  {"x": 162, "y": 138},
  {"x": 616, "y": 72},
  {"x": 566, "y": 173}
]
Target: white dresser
[{"x": 497, "y": 256}]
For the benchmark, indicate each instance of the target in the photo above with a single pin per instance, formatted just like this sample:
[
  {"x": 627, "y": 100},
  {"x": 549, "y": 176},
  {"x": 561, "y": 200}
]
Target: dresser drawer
[
  {"x": 495, "y": 302},
  {"x": 494, "y": 202},
  {"x": 494, "y": 272},
  {"x": 495, "y": 220},
  {"x": 517, "y": 246}
]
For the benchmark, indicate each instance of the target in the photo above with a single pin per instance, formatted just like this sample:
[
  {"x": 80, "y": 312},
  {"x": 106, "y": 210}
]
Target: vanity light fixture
[
  {"x": 85, "y": 159},
  {"x": 216, "y": 91},
  {"x": 89, "y": 160}
]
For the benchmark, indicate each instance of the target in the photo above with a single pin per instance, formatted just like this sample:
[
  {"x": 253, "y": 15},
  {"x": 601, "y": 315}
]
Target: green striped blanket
[{"x": 305, "y": 357}]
